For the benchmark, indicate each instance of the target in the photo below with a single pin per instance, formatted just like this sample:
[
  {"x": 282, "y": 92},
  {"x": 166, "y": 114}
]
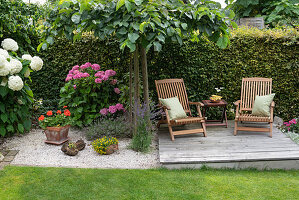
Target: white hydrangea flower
[
  {"x": 15, "y": 66},
  {"x": 4, "y": 53},
  {"x": 27, "y": 73},
  {"x": 5, "y": 70},
  {"x": 27, "y": 57},
  {"x": 4, "y": 81},
  {"x": 15, "y": 83},
  {"x": 36, "y": 63},
  {"x": 9, "y": 44},
  {"x": 2, "y": 61}
]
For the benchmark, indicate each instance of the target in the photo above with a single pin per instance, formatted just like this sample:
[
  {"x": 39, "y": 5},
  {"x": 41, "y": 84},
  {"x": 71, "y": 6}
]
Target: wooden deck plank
[{"x": 221, "y": 146}]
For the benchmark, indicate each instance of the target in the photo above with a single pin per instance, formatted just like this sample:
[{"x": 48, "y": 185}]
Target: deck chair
[
  {"x": 251, "y": 87},
  {"x": 168, "y": 88}
]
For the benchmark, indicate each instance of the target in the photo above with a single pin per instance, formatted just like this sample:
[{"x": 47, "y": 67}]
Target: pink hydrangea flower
[
  {"x": 85, "y": 75},
  {"x": 116, "y": 90},
  {"x": 110, "y": 72},
  {"x": 112, "y": 109},
  {"x": 75, "y": 86},
  {"x": 105, "y": 78},
  {"x": 68, "y": 79},
  {"x": 104, "y": 111},
  {"x": 119, "y": 106},
  {"x": 84, "y": 66},
  {"x": 88, "y": 64},
  {"x": 76, "y": 67},
  {"x": 76, "y": 72},
  {"x": 96, "y": 67},
  {"x": 98, "y": 80},
  {"x": 113, "y": 82},
  {"x": 99, "y": 74}
]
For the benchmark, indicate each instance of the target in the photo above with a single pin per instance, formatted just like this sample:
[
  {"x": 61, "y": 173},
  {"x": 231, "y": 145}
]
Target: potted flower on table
[{"x": 56, "y": 125}]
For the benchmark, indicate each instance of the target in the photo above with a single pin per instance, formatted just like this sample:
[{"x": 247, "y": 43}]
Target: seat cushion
[
  {"x": 261, "y": 106},
  {"x": 176, "y": 109}
]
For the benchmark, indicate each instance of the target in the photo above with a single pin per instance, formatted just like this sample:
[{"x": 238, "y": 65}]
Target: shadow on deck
[{"x": 221, "y": 149}]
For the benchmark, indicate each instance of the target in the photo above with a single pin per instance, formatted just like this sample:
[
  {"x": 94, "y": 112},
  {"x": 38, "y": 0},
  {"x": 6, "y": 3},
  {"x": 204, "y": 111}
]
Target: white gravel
[
  {"x": 34, "y": 152},
  {"x": 1, "y": 157}
]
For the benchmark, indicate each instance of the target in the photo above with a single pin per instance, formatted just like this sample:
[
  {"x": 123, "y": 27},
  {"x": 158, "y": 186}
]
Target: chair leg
[
  {"x": 271, "y": 128},
  {"x": 171, "y": 132},
  {"x": 203, "y": 124},
  {"x": 159, "y": 123},
  {"x": 236, "y": 127}
]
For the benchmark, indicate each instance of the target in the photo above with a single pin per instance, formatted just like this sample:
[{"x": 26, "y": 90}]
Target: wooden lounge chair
[
  {"x": 250, "y": 88},
  {"x": 168, "y": 88}
]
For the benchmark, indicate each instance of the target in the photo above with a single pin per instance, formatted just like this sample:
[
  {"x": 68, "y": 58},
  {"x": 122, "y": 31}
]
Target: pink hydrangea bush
[{"x": 91, "y": 92}]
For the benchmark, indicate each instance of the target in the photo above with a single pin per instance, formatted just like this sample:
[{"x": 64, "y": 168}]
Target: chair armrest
[
  {"x": 272, "y": 104},
  {"x": 196, "y": 103},
  {"x": 237, "y": 103}
]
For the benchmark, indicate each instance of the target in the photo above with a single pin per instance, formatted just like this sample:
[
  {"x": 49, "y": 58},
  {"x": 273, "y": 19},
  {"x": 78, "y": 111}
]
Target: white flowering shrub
[{"x": 15, "y": 95}]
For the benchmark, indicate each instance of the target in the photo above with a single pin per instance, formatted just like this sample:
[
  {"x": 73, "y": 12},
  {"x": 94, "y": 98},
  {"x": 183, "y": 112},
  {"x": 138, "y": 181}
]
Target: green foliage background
[{"x": 203, "y": 65}]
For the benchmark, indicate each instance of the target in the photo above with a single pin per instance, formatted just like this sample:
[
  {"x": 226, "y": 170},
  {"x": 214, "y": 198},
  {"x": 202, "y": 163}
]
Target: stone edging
[{"x": 9, "y": 155}]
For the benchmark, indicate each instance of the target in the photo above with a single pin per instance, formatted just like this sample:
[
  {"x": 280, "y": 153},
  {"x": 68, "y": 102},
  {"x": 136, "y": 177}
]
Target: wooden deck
[{"x": 222, "y": 149}]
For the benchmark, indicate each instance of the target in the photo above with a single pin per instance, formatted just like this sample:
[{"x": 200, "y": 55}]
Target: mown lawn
[{"x": 68, "y": 183}]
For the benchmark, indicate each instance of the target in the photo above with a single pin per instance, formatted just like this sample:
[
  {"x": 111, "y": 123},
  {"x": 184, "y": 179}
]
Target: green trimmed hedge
[{"x": 203, "y": 66}]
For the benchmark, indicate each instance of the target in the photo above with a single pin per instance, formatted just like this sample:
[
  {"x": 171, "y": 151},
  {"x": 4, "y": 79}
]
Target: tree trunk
[
  {"x": 136, "y": 88},
  {"x": 145, "y": 79},
  {"x": 131, "y": 90}
]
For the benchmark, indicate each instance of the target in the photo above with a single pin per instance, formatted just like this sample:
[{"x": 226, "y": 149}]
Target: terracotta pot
[
  {"x": 57, "y": 135},
  {"x": 111, "y": 149}
]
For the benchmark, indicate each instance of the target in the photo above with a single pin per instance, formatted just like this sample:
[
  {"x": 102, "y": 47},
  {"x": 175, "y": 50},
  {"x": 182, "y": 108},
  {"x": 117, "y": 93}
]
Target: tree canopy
[{"x": 145, "y": 22}]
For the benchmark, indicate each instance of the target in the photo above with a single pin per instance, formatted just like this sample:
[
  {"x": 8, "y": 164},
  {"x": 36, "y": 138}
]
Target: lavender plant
[
  {"x": 146, "y": 127},
  {"x": 108, "y": 126}
]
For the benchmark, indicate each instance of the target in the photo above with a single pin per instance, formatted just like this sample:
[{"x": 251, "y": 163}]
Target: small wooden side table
[{"x": 208, "y": 104}]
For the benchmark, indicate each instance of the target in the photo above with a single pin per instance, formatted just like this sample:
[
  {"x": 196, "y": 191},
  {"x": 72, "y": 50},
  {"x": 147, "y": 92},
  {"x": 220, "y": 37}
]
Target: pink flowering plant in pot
[{"x": 88, "y": 90}]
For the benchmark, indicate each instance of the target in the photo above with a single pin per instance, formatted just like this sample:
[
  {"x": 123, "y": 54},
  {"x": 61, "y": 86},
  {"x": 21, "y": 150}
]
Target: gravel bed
[{"x": 34, "y": 152}]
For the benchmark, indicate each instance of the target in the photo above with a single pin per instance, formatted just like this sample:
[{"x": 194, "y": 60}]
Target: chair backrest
[
  {"x": 168, "y": 88},
  {"x": 251, "y": 87}
]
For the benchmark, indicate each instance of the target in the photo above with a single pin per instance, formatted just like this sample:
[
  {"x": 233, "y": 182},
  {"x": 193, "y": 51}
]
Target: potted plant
[
  {"x": 56, "y": 126},
  {"x": 105, "y": 145}
]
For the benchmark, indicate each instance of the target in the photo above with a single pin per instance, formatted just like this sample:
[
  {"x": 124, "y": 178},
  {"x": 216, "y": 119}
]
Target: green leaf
[
  {"x": 180, "y": 41},
  {"x": 138, "y": 2},
  {"x": 231, "y": 14},
  {"x": 21, "y": 128},
  {"x": 119, "y": 4},
  {"x": 2, "y": 131},
  {"x": 27, "y": 124},
  {"x": 12, "y": 117},
  {"x": 222, "y": 41},
  {"x": 128, "y": 5},
  {"x": 4, "y": 117},
  {"x": 184, "y": 26},
  {"x": 161, "y": 38},
  {"x": 2, "y": 108},
  {"x": 80, "y": 109},
  {"x": 133, "y": 37},
  {"x": 3, "y": 91},
  {"x": 76, "y": 18},
  {"x": 141, "y": 27},
  {"x": 234, "y": 24},
  {"x": 157, "y": 46},
  {"x": 50, "y": 40},
  {"x": 131, "y": 46},
  {"x": 10, "y": 128}
]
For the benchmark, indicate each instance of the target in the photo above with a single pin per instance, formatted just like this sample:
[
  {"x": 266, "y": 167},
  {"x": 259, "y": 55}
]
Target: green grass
[{"x": 70, "y": 183}]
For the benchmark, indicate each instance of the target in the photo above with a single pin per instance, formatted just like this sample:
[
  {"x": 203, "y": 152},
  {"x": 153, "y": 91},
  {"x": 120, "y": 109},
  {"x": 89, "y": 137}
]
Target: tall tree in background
[
  {"x": 139, "y": 25},
  {"x": 275, "y": 12}
]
